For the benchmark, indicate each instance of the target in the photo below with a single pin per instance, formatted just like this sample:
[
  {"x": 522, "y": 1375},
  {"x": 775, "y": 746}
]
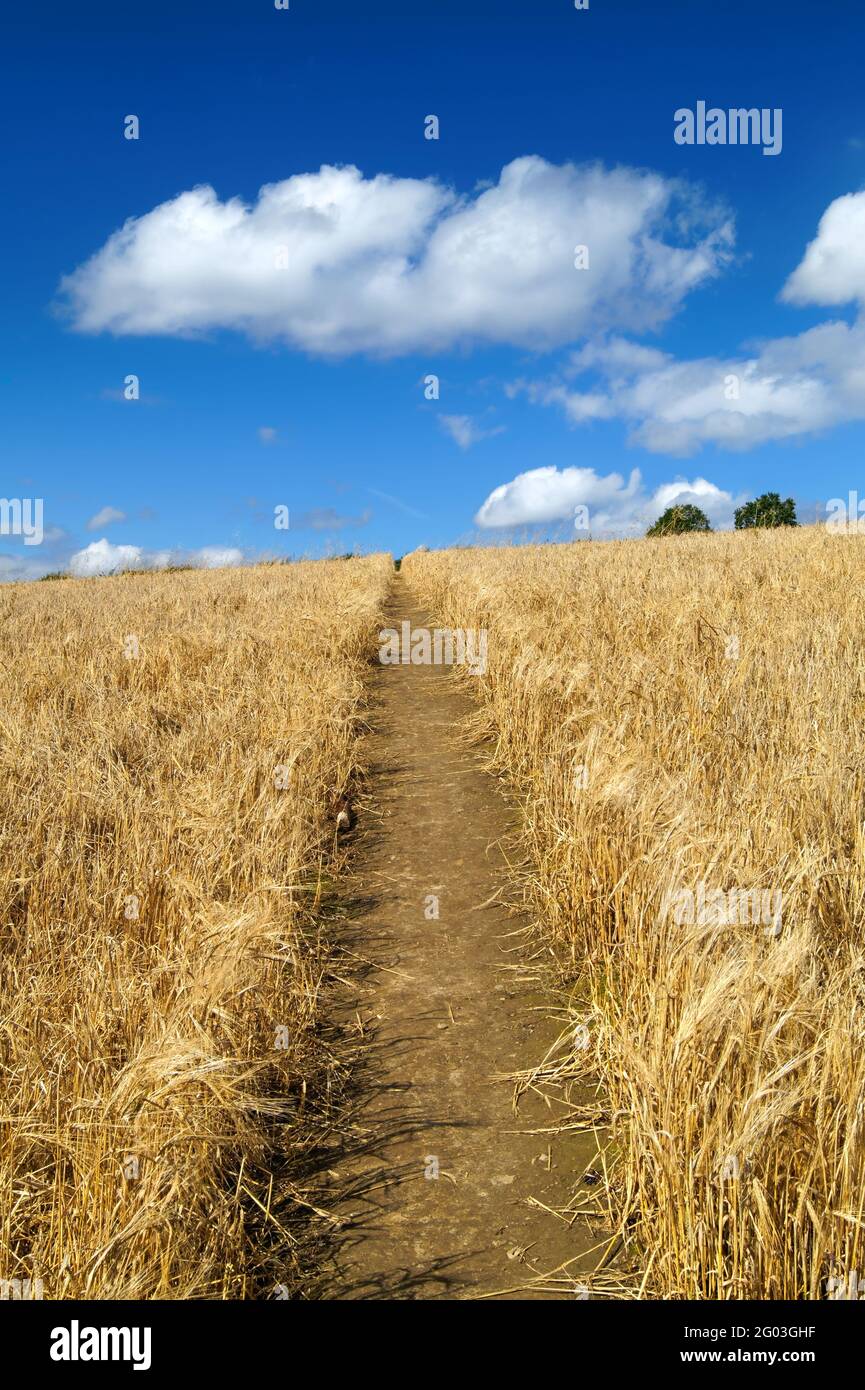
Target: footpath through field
[{"x": 437, "y": 1188}]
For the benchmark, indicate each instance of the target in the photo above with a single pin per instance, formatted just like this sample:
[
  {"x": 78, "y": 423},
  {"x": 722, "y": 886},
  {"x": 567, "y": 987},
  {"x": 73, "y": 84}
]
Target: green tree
[
  {"x": 767, "y": 510},
  {"x": 678, "y": 519}
]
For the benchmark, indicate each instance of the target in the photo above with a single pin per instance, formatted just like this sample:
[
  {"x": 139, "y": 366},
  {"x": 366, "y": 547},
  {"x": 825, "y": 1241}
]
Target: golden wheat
[
  {"x": 170, "y": 746},
  {"x": 682, "y": 712}
]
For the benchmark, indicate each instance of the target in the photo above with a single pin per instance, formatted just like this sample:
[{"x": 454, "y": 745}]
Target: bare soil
[{"x": 439, "y": 1191}]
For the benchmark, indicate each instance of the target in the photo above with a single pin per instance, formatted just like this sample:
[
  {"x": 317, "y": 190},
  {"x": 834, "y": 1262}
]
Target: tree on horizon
[
  {"x": 766, "y": 510},
  {"x": 678, "y": 519}
]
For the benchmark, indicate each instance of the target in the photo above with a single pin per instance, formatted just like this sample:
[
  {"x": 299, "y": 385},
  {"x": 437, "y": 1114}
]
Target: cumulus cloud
[
  {"x": 106, "y": 516},
  {"x": 102, "y": 557},
  {"x": 832, "y": 270},
  {"x": 334, "y": 263},
  {"x": 215, "y": 557},
  {"x": 465, "y": 431},
  {"x": 789, "y": 387},
  {"x": 783, "y": 388},
  {"x": 616, "y": 507}
]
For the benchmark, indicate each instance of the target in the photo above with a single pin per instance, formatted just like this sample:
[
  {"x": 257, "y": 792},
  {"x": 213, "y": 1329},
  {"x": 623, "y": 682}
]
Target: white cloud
[
  {"x": 580, "y": 407},
  {"x": 267, "y": 434},
  {"x": 616, "y": 507},
  {"x": 214, "y": 557},
  {"x": 106, "y": 516},
  {"x": 784, "y": 388},
  {"x": 102, "y": 557},
  {"x": 335, "y": 263},
  {"x": 832, "y": 270},
  {"x": 717, "y": 504},
  {"x": 787, "y": 388},
  {"x": 465, "y": 431}
]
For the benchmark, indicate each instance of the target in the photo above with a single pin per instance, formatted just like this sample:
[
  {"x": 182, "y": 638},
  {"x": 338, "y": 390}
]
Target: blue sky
[{"x": 302, "y": 384}]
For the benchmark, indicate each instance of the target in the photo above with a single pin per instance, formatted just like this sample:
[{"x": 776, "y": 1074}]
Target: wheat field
[
  {"x": 684, "y": 716},
  {"x": 680, "y": 718},
  {"x": 170, "y": 747}
]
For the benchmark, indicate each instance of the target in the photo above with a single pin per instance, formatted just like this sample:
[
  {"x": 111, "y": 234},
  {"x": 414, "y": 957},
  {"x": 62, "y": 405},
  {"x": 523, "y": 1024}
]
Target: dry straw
[
  {"x": 653, "y": 753},
  {"x": 163, "y": 1079}
]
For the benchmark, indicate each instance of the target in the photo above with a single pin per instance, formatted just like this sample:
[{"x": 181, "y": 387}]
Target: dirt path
[{"x": 447, "y": 1010}]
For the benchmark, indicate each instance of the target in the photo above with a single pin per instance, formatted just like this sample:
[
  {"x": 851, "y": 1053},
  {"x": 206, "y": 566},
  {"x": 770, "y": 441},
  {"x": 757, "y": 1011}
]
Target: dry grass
[
  {"x": 157, "y": 919},
  {"x": 732, "y": 1057}
]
